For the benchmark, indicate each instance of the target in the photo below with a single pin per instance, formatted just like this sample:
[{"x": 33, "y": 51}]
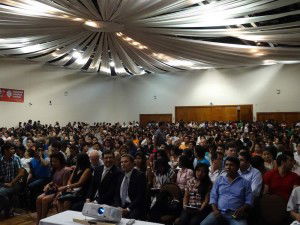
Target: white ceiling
[{"x": 135, "y": 37}]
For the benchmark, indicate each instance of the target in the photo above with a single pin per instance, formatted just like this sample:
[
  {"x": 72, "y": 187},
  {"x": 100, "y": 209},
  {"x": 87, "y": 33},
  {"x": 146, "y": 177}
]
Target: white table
[{"x": 66, "y": 218}]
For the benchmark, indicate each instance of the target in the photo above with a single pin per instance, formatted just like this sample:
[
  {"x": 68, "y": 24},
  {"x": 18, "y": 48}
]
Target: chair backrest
[
  {"x": 173, "y": 189},
  {"x": 273, "y": 209}
]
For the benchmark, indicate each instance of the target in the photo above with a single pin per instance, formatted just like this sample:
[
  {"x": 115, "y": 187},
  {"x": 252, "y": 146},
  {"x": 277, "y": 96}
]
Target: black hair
[
  {"x": 206, "y": 183},
  {"x": 144, "y": 160},
  {"x": 184, "y": 161},
  {"x": 176, "y": 150},
  {"x": 130, "y": 157},
  {"x": 108, "y": 152},
  {"x": 59, "y": 156},
  {"x": 257, "y": 162},
  {"x": 83, "y": 161},
  {"x": 31, "y": 139},
  {"x": 1, "y": 142},
  {"x": 161, "y": 165},
  {"x": 56, "y": 144},
  {"x": 74, "y": 147},
  {"x": 200, "y": 151},
  {"x": 214, "y": 155},
  {"x": 161, "y": 123},
  {"x": 231, "y": 145},
  {"x": 283, "y": 157},
  {"x": 246, "y": 155},
  {"x": 21, "y": 148},
  {"x": 235, "y": 160},
  {"x": 6, "y": 146}
]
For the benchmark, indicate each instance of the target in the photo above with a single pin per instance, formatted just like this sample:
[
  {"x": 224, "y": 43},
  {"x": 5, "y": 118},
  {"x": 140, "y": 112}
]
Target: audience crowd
[{"x": 194, "y": 173}]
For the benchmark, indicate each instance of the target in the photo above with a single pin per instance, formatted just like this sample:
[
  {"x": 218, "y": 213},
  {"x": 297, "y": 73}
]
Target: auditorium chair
[
  {"x": 272, "y": 210},
  {"x": 177, "y": 199}
]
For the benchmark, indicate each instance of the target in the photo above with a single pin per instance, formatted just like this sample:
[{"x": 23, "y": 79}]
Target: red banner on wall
[{"x": 11, "y": 95}]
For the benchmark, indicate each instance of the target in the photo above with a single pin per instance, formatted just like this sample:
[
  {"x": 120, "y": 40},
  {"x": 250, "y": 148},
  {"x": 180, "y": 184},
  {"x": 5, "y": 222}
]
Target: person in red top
[{"x": 281, "y": 181}]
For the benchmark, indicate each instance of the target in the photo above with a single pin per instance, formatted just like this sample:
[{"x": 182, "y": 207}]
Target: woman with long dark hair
[
  {"x": 140, "y": 161},
  {"x": 77, "y": 187},
  {"x": 196, "y": 197},
  {"x": 163, "y": 173}
]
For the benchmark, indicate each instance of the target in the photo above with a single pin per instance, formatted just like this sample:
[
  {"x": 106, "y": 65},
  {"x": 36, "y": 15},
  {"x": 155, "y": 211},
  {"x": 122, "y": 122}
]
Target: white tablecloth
[{"x": 66, "y": 218}]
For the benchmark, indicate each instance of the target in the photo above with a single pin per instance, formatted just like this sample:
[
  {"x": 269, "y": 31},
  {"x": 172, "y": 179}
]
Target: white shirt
[
  {"x": 254, "y": 176},
  {"x": 297, "y": 157},
  {"x": 128, "y": 175},
  {"x": 214, "y": 175},
  {"x": 294, "y": 201}
]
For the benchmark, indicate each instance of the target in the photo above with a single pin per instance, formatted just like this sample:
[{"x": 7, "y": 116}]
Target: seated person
[
  {"x": 162, "y": 172},
  {"x": 72, "y": 156},
  {"x": 196, "y": 197},
  {"x": 200, "y": 156},
  {"x": 231, "y": 197},
  {"x": 76, "y": 189},
  {"x": 140, "y": 161},
  {"x": 103, "y": 187},
  {"x": 250, "y": 173},
  {"x": 281, "y": 181},
  {"x": 293, "y": 205},
  {"x": 268, "y": 159},
  {"x": 11, "y": 174},
  {"x": 215, "y": 170},
  {"x": 60, "y": 176},
  {"x": 184, "y": 174},
  {"x": 95, "y": 159},
  {"x": 230, "y": 151},
  {"x": 39, "y": 174},
  {"x": 131, "y": 194}
]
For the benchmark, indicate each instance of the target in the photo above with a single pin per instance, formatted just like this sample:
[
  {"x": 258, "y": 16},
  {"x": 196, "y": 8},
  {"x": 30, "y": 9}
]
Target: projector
[{"x": 102, "y": 212}]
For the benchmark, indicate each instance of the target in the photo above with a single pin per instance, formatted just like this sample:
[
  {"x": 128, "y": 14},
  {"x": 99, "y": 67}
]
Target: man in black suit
[
  {"x": 131, "y": 190},
  {"x": 103, "y": 185}
]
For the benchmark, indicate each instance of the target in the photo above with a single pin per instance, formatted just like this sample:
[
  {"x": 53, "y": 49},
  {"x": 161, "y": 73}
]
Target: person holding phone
[{"x": 196, "y": 197}]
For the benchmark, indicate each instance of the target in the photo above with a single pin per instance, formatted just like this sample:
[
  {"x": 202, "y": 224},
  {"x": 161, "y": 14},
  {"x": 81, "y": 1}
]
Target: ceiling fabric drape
[{"x": 136, "y": 37}]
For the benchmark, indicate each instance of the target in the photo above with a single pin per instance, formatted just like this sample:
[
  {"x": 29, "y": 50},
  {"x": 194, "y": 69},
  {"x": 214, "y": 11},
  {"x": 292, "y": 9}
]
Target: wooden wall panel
[
  {"x": 146, "y": 118},
  {"x": 288, "y": 117},
  {"x": 246, "y": 113},
  {"x": 214, "y": 113}
]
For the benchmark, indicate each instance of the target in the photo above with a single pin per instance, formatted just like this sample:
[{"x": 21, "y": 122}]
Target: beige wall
[{"x": 92, "y": 97}]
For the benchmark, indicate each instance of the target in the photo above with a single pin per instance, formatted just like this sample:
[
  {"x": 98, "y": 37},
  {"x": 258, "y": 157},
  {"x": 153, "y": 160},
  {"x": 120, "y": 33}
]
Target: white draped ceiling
[{"x": 134, "y": 37}]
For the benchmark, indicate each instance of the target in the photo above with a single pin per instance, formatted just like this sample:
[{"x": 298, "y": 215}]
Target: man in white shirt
[
  {"x": 297, "y": 153},
  {"x": 131, "y": 194},
  {"x": 293, "y": 205}
]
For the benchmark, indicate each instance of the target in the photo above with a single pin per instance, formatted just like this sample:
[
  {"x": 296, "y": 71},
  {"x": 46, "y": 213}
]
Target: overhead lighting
[
  {"x": 105, "y": 70},
  {"x": 91, "y": 24},
  {"x": 269, "y": 62},
  {"x": 112, "y": 64},
  {"x": 259, "y": 54},
  {"x": 32, "y": 48},
  {"x": 76, "y": 55},
  {"x": 77, "y": 19}
]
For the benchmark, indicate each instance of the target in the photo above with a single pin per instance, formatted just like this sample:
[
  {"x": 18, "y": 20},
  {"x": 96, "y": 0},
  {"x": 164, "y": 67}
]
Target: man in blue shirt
[
  {"x": 39, "y": 174},
  {"x": 249, "y": 173},
  {"x": 230, "y": 197}
]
